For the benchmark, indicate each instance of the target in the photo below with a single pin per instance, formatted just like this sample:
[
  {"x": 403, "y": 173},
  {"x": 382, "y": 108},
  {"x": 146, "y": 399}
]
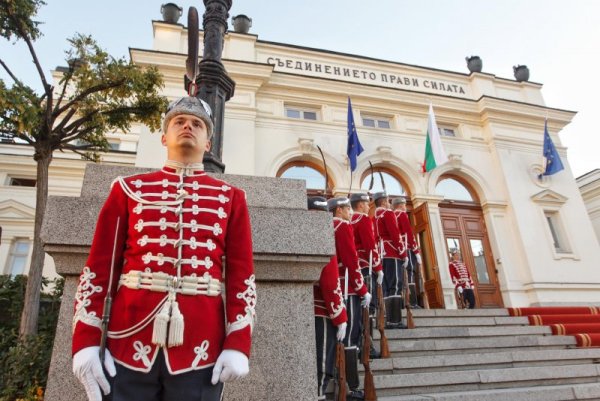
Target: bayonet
[{"x": 191, "y": 63}]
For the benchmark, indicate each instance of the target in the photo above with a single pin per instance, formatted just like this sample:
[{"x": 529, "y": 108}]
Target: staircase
[{"x": 481, "y": 355}]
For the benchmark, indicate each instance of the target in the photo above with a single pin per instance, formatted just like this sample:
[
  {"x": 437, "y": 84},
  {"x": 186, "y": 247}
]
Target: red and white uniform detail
[
  {"x": 347, "y": 258},
  {"x": 329, "y": 301},
  {"x": 364, "y": 240},
  {"x": 406, "y": 231},
  {"x": 460, "y": 275},
  {"x": 174, "y": 230},
  {"x": 388, "y": 234}
]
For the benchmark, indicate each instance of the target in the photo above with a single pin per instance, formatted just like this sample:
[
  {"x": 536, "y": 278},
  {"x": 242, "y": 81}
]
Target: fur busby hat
[
  {"x": 190, "y": 105},
  {"x": 317, "y": 203},
  {"x": 379, "y": 195},
  {"x": 336, "y": 202},
  {"x": 399, "y": 201}
]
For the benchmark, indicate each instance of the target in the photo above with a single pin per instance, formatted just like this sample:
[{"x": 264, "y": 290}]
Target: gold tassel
[
  {"x": 159, "y": 333},
  {"x": 176, "y": 327}
]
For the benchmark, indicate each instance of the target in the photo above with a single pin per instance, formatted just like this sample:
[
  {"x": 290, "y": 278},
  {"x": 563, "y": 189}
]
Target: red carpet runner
[{"x": 583, "y": 322}]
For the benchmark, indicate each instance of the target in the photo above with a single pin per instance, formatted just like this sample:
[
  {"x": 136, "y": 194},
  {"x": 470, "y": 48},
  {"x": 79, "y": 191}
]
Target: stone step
[
  {"x": 589, "y": 391},
  {"x": 421, "y": 322},
  {"x": 461, "y": 332},
  {"x": 461, "y": 346},
  {"x": 491, "y": 360},
  {"x": 458, "y": 312},
  {"x": 473, "y": 380}
]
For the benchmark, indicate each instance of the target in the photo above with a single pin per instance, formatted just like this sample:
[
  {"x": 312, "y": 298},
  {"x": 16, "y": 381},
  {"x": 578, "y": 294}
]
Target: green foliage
[
  {"x": 22, "y": 24},
  {"x": 97, "y": 93},
  {"x": 24, "y": 364}
]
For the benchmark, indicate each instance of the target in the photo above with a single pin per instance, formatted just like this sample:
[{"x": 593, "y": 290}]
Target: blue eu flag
[
  {"x": 553, "y": 162},
  {"x": 354, "y": 147}
]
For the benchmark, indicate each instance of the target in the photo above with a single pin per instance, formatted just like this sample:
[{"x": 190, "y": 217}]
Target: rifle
[
  {"x": 410, "y": 323},
  {"x": 108, "y": 300},
  {"x": 385, "y": 350},
  {"x": 370, "y": 394},
  {"x": 340, "y": 373},
  {"x": 462, "y": 304},
  {"x": 422, "y": 286}
]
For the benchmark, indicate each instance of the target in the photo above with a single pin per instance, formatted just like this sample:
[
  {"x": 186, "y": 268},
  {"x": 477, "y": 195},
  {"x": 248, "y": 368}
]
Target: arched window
[
  {"x": 393, "y": 185},
  {"x": 452, "y": 189},
  {"x": 310, "y": 172}
]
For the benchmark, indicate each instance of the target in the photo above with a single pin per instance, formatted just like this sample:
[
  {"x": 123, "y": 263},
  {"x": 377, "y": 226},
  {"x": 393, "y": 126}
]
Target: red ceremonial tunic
[
  {"x": 388, "y": 233},
  {"x": 364, "y": 240},
  {"x": 460, "y": 275},
  {"x": 347, "y": 258},
  {"x": 172, "y": 231},
  {"x": 329, "y": 301},
  {"x": 406, "y": 231}
]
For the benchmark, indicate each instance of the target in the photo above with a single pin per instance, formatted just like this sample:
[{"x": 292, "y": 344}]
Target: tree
[{"x": 95, "y": 95}]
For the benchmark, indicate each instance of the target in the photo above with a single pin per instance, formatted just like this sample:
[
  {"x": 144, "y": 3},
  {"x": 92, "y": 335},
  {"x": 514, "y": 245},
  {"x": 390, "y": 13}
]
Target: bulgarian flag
[{"x": 434, "y": 152}]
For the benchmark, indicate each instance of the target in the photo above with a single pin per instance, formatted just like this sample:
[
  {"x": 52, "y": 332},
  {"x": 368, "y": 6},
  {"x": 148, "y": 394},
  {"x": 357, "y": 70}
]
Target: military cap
[
  {"x": 359, "y": 197},
  {"x": 399, "y": 201},
  {"x": 317, "y": 203},
  {"x": 189, "y": 105},
  {"x": 379, "y": 195},
  {"x": 336, "y": 202}
]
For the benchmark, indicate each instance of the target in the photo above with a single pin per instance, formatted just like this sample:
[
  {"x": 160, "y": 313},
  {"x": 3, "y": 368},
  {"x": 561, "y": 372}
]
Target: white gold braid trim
[
  {"x": 337, "y": 311},
  {"x": 249, "y": 295},
  {"x": 84, "y": 290}
]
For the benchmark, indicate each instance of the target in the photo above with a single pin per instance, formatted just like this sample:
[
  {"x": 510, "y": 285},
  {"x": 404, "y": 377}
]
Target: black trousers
[
  {"x": 160, "y": 385},
  {"x": 354, "y": 329},
  {"x": 325, "y": 339},
  {"x": 393, "y": 278},
  {"x": 371, "y": 283},
  {"x": 469, "y": 296}
]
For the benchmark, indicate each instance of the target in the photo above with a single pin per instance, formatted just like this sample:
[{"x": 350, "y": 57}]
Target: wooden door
[
  {"x": 464, "y": 228},
  {"x": 422, "y": 231}
]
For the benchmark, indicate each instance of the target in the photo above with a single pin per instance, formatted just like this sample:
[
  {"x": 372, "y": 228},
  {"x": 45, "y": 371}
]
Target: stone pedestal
[{"x": 290, "y": 246}]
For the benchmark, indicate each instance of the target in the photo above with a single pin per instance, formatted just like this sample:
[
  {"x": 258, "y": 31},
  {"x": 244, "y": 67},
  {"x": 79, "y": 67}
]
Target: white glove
[
  {"x": 231, "y": 365},
  {"x": 405, "y": 262},
  {"x": 380, "y": 277},
  {"x": 460, "y": 290},
  {"x": 366, "y": 300},
  {"x": 88, "y": 370},
  {"x": 341, "y": 332},
  {"x": 419, "y": 260}
]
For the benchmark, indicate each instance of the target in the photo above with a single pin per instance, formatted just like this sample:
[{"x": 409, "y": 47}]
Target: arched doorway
[
  {"x": 464, "y": 229},
  {"x": 311, "y": 173}
]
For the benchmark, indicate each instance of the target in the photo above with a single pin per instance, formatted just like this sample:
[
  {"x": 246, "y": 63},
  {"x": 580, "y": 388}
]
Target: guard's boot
[
  {"x": 352, "y": 378},
  {"x": 388, "y": 314},
  {"x": 397, "y": 306},
  {"x": 414, "y": 303}
]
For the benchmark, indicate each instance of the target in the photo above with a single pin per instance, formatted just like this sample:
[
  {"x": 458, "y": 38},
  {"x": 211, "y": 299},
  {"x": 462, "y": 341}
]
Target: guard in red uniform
[
  {"x": 462, "y": 278},
  {"x": 354, "y": 288},
  {"x": 412, "y": 247},
  {"x": 394, "y": 259},
  {"x": 330, "y": 313},
  {"x": 366, "y": 248},
  {"x": 158, "y": 250}
]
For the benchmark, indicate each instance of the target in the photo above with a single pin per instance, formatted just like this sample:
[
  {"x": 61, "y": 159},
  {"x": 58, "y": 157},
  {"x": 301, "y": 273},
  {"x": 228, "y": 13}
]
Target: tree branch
[
  {"x": 17, "y": 81},
  {"x": 27, "y": 39},
  {"x": 88, "y": 91},
  {"x": 78, "y": 135},
  {"x": 62, "y": 94},
  {"x": 64, "y": 121}
]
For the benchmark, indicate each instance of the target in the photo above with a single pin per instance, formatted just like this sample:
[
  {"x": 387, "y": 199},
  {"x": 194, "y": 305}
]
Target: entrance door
[
  {"x": 464, "y": 228},
  {"x": 422, "y": 231}
]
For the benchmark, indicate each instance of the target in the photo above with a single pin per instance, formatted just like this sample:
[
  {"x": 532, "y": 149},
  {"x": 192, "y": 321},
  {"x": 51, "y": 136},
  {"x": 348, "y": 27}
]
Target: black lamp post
[{"x": 214, "y": 85}]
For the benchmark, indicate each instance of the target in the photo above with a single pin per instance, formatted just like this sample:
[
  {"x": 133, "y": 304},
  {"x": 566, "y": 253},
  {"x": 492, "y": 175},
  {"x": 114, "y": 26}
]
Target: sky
[{"x": 559, "y": 40}]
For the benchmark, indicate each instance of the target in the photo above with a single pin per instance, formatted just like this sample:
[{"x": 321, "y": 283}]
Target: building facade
[{"x": 527, "y": 241}]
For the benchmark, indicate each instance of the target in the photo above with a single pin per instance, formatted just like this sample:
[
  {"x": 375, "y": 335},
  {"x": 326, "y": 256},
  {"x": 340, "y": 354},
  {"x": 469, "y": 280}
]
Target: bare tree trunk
[{"x": 31, "y": 307}]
